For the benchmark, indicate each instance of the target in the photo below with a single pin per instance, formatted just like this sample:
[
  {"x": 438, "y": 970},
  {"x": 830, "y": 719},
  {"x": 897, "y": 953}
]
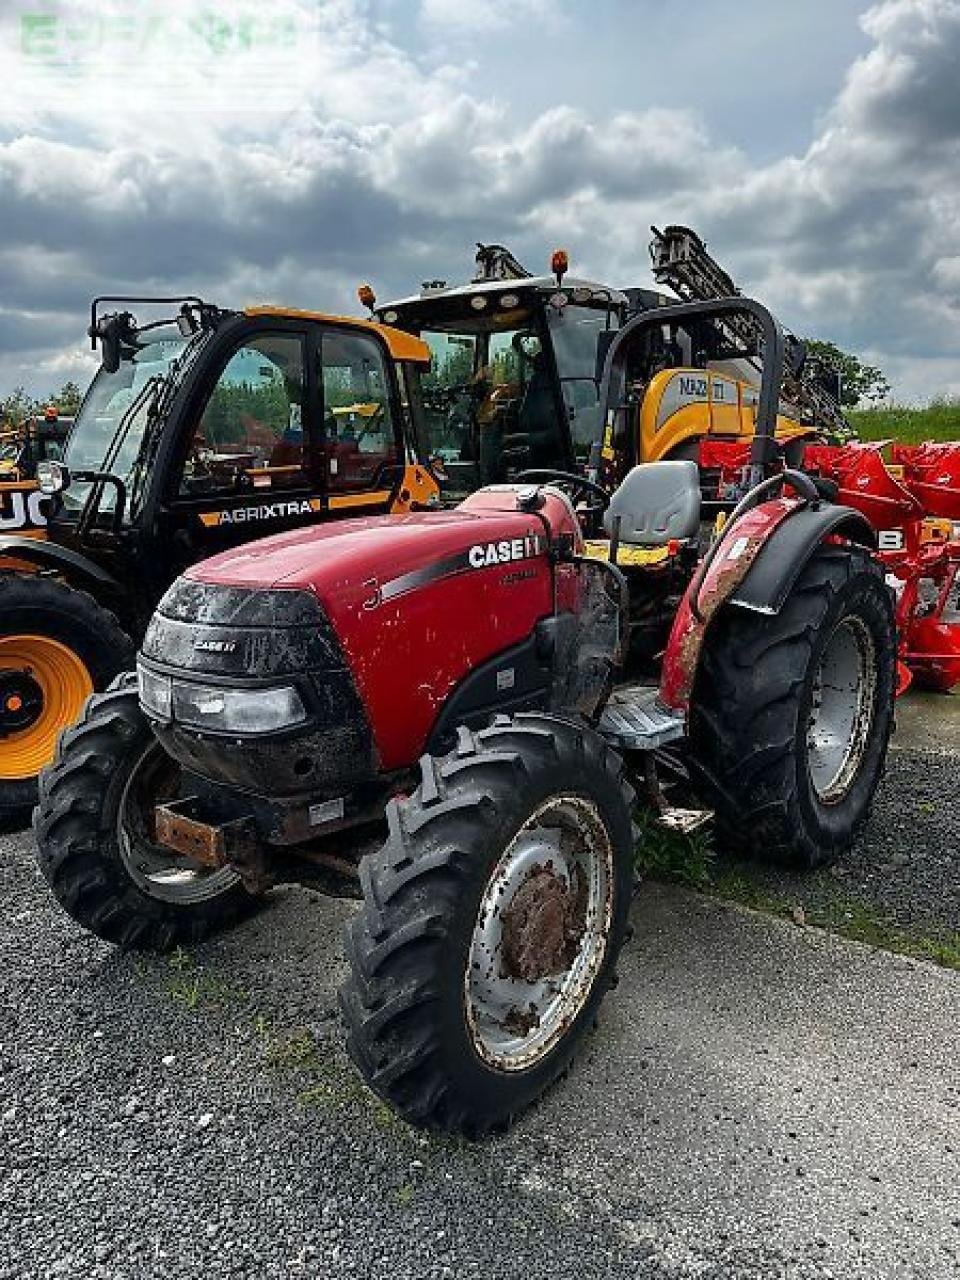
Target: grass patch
[
  {"x": 186, "y": 982},
  {"x": 940, "y": 420},
  {"x": 322, "y": 1082},
  {"x": 735, "y": 885},
  {"x": 690, "y": 861},
  {"x": 848, "y": 917},
  {"x": 189, "y": 985},
  {"x": 669, "y": 855},
  {"x": 296, "y": 1051}
]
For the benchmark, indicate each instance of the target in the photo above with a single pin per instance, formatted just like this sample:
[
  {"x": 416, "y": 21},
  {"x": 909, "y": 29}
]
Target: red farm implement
[{"x": 911, "y": 496}]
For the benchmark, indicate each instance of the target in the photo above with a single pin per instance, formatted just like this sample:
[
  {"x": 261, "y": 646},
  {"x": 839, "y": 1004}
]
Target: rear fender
[
  {"x": 759, "y": 559},
  {"x": 790, "y": 546}
]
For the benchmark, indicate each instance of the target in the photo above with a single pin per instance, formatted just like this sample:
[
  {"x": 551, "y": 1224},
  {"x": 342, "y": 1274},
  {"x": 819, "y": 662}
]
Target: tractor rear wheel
[
  {"x": 492, "y": 920},
  {"x": 57, "y": 645},
  {"x": 95, "y": 835},
  {"x": 792, "y": 713}
]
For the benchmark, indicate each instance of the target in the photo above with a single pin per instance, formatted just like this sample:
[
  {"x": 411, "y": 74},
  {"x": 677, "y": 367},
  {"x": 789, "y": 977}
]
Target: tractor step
[
  {"x": 636, "y": 720},
  {"x": 683, "y": 821}
]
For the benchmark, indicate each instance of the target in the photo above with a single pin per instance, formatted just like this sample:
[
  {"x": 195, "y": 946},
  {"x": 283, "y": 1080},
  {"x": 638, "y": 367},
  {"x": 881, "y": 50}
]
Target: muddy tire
[
  {"x": 57, "y": 645},
  {"x": 792, "y": 713},
  {"x": 94, "y": 835},
  {"x": 491, "y": 923}
]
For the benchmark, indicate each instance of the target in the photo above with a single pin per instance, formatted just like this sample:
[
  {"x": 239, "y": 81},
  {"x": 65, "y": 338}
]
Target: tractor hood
[
  {"x": 379, "y": 618},
  {"x": 332, "y": 557},
  {"x": 387, "y": 556}
]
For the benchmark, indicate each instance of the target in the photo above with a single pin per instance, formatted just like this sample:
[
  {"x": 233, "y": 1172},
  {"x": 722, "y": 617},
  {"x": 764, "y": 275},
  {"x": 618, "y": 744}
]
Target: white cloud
[
  {"x": 483, "y": 15},
  {"x": 291, "y": 172}
]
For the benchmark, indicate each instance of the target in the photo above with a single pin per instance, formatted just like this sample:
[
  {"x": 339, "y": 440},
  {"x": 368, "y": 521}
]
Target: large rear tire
[
  {"x": 57, "y": 645},
  {"x": 95, "y": 843},
  {"x": 792, "y": 713},
  {"x": 492, "y": 921}
]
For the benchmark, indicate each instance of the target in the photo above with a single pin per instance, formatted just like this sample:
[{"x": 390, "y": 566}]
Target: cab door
[
  {"x": 360, "y": 446},
  {"x": 294, "y": 421},
  {"x": 246, "y": 463}
]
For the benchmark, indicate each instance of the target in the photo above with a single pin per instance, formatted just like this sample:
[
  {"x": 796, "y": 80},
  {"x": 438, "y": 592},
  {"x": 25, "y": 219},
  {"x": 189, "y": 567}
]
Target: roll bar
[{"x": 763, "y": 448}]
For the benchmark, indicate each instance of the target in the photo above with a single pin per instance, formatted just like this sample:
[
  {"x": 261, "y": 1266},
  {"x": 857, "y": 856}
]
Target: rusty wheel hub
[
  {"x": 540, "y": 935},
  {"x": 543, "y": 925}
]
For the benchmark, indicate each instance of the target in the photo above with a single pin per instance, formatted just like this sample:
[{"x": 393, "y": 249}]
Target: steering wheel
[{"x": 576, "y": 487}]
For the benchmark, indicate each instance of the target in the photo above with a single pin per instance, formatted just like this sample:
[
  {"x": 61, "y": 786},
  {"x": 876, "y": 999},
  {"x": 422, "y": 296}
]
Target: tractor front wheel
[
  {"x": 792, "y": 713},
  {"x": 95, "y": 835},
  {"x": 57, "y": 645},
  {"x": 492, "y": 920}
]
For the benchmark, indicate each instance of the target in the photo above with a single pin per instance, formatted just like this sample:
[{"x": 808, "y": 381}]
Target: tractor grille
[
  {"x": 237, "y": 631},
  {"x": 216, "y": 636}
]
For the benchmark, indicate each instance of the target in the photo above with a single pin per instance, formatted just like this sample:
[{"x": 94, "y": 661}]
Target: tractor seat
[{"x": 658, "y": 502}]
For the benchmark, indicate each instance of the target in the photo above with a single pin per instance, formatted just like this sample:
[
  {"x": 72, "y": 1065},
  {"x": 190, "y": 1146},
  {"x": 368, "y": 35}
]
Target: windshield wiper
[{"x": 157, "y": 412}]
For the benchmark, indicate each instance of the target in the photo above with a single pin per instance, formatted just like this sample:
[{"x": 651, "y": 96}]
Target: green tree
[
  {"x": 67, "y": 399},
  {"x": 859, "y": 381},
  {"x": 455, "y": 368},
  {"x": 17, "y": 406}
]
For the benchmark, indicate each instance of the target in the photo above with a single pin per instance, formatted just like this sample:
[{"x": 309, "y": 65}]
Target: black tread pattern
[
  {"x": 76, "y": 617},
  {"x": 747, "y": 703},
  {"x": 419, "y": 897},
  {"x": 75, "y": 824}
]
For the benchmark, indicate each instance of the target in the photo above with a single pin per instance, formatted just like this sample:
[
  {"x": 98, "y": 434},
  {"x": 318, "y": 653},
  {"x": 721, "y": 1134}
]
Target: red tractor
[{"x": 495, "y": 698}]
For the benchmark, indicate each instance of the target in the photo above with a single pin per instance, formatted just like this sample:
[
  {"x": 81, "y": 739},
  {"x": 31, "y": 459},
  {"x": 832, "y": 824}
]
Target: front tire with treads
[
  {"x": 792, "y": 713},
  {"x": 491, "y": 924},
  {"x": 94, "y": 832}
]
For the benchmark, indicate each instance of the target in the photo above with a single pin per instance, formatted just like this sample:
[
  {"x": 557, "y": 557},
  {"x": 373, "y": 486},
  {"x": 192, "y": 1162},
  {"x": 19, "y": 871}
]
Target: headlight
[
  {"x": 223, "y": 710},
  {"x": 156, "y": 693},
  {"x": 237, "y": 710}
]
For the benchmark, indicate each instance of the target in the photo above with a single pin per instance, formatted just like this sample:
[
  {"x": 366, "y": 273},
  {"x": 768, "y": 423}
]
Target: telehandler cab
[
  {"x": 202, "y": 429},
  {"x": 24, "y": 446},
  {"x": 476, "y": 677}
]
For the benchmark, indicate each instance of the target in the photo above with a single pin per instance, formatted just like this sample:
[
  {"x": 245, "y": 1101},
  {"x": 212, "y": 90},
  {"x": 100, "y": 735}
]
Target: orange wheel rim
[{"x": 64, "y": 684}]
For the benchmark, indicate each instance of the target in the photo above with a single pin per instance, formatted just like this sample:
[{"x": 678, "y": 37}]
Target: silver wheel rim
[
  {"x": 541, "y": 934},
  {"x": 157, "y": 871},
  {"x": 841, "y": 711}
]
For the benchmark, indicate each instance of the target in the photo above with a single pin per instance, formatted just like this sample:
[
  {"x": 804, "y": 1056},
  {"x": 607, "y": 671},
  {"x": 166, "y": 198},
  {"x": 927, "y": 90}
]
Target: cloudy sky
[{"x": 284, "y": 151}]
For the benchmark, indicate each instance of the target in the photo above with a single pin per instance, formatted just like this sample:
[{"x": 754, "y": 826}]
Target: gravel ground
[
  {"x": 197, "y": 1116},
  {"x": 760, "y": 1101},
  {"x": 905, "y": 869}
]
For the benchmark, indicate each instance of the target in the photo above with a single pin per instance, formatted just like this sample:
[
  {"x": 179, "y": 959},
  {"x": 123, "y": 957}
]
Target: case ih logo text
[
  {"x": 486, "y": 553},
  {"x": 263, "y": 511}
]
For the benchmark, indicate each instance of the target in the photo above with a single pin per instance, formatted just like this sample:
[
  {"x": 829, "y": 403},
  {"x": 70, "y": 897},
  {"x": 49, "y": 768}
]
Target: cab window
[
  {"x": 489, "y": 404},
  {"x": 576, "y": 331},
  {"x": 251, "y": 432},
  {"x": 360, "y": 444}
]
